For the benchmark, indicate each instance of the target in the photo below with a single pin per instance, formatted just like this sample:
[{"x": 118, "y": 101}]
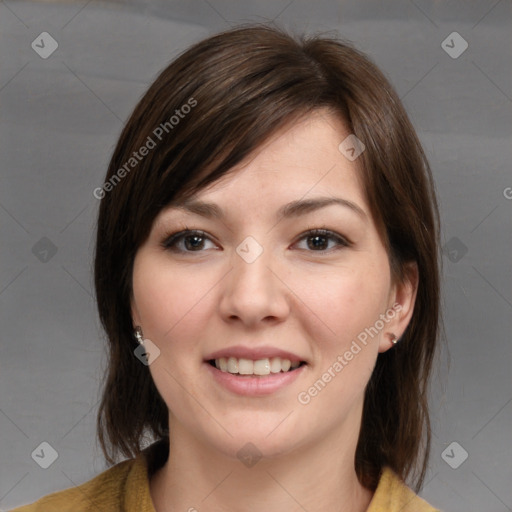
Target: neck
[{"x": 315, "y": 477}]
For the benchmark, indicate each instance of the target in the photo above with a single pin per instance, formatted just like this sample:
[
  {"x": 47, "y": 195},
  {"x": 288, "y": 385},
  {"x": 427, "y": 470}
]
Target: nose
[{"x": 253, "y": 293}]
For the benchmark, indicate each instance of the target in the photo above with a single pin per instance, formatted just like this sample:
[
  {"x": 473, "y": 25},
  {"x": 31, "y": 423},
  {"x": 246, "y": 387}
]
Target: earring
[
  {"x": 394, "y": 339},
  {"x": 138, "y": 335}
]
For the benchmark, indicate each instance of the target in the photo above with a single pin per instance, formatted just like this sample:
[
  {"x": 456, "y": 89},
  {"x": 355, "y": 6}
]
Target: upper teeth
[{"x": 259, "y": 367}]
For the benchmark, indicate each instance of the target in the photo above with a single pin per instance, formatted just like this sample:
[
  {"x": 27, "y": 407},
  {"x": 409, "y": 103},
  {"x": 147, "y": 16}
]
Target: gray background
[{"x": 60, "y": 118}]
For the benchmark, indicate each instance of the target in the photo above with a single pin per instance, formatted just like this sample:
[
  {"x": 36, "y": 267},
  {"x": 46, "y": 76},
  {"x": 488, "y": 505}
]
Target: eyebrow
[{"x": 293, "y": 209}]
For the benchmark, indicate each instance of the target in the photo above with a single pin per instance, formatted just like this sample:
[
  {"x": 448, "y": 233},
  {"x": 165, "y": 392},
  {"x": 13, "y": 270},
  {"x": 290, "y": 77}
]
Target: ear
[
  {"x": 402, "y": 298},
  {"x": 134, "y": 313}
]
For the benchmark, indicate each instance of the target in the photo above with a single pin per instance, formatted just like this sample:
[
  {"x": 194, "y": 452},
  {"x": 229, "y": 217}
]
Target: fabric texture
[{"x": 125, "y": 488}]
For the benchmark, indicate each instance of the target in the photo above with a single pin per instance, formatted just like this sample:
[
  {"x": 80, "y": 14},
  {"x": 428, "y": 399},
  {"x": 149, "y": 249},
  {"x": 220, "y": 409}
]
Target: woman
[{"x": 267, "y": 275}]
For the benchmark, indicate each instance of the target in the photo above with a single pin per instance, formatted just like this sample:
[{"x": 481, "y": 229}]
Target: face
[{"x": 277, "y": 266}]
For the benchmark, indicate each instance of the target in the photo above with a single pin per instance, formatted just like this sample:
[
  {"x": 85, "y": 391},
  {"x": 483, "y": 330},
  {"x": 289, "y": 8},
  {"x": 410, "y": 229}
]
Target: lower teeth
[{"x": 254, "y": 375}]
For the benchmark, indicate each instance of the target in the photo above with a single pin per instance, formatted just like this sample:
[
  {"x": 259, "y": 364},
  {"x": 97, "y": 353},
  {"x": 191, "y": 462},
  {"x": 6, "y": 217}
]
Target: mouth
[{"x": 243, "y": 367}]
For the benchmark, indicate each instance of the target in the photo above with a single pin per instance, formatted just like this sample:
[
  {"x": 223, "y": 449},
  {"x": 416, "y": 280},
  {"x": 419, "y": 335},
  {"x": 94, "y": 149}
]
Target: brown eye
[
  {"x": 318, "y": 242},
  {"x": 188, "y": 241},
  {"x": 193, "y": 242},
  {"x": 321, "y": 240}
]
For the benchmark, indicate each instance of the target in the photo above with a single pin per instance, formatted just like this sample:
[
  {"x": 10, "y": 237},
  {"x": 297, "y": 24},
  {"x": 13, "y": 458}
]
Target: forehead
[{"x": 301, "y": 160}]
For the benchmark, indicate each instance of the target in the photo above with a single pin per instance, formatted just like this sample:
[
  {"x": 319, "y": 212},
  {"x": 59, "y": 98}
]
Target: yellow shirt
[{"x": 125, "y": 488}]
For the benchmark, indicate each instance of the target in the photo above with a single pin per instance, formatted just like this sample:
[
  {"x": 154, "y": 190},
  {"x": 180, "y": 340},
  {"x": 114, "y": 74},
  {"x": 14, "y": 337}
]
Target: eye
[
  {"x": 321, "y": 240},
  {"x": 189, "y": 241}
]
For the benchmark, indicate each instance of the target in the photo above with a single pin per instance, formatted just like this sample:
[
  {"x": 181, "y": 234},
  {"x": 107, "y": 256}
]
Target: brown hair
[{"x": 241, "y": 86}]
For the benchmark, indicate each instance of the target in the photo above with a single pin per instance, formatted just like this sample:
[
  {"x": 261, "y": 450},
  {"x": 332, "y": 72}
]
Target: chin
[{"x": 257, "y": 438}]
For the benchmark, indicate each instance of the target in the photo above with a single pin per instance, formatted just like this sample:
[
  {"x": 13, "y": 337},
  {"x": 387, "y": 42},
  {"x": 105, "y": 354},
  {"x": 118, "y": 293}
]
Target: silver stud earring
[
  {"x": 138, "y": 335},
  {"x": 394, "y": 339}
]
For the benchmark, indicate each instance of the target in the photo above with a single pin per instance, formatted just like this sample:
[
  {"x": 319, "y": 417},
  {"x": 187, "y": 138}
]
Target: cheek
[
  {"x": 342, "y": 303},
  {"x": 340, "y": 309},
  {"x": 167, "y": 299},
  {"x": 172, "y": 305}
]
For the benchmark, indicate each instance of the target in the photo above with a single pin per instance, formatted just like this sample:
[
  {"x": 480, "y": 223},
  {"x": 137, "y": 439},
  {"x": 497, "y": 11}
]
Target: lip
[
  {"x": 254, "y": 353},
  {"x": 253, "y": 386}
]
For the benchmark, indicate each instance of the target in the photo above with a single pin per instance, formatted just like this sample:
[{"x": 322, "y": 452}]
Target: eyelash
[{"x": 170, "y": 241}]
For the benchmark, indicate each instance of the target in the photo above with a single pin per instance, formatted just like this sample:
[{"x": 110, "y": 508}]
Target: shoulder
[
  {"x": 125, "y": 484},
  {"x": 393, "y": 495}
]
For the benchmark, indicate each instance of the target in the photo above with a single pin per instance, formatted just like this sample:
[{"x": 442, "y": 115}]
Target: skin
[{"x": 310, "y": 301}]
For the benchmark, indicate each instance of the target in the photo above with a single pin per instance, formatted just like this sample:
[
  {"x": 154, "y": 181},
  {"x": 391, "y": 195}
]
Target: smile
[
  {"x": 259, "y": 367},
  {"x": 251, "y": 383}
]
